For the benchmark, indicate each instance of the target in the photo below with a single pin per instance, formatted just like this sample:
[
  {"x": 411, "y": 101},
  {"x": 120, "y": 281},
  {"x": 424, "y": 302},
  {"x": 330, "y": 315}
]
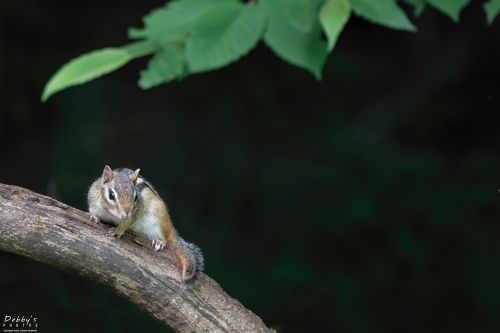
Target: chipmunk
[{"x": 125, "y": 199}]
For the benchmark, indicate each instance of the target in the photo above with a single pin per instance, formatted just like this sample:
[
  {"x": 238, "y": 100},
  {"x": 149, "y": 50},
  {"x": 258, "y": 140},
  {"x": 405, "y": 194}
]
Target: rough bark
[{"x": 49, "y": 231}]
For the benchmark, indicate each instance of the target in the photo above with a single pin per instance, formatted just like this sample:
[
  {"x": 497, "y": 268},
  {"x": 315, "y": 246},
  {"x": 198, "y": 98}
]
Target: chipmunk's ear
[
  {"x": 133, "y": 177},
  {"x": 107, "y": 175}
]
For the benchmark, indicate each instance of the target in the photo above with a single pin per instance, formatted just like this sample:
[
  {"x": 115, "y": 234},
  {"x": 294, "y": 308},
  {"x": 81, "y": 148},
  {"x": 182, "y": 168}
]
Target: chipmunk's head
[{"x": 119, "y": 192}]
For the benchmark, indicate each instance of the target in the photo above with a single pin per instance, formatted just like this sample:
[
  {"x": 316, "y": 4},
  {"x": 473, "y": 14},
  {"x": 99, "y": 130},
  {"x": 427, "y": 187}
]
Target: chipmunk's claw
[
  {"x": 158, "y": 244},
  {"x": 112, "y": 233},
  {"x": 94, "y": 218}
]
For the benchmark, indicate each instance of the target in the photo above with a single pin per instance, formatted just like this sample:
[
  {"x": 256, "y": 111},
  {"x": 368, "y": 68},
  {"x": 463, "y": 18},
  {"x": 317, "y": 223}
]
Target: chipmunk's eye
[{"x": 111, "y": 195}]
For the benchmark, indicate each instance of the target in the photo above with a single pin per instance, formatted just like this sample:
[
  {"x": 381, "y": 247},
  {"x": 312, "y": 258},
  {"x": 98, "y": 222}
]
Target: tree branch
[{"x": 49, "y": 231}]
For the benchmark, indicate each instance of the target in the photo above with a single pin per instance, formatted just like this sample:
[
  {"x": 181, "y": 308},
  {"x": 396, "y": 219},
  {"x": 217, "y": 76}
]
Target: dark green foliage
[{"x": 193, "y": 36}]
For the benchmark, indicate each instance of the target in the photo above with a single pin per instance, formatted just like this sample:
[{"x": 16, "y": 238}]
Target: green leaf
[
  {"x": 176, "y": 20},
  {"x": 333, "y": 15},
  {"x": 419, "y": 6},
  {"x": 223, "y": 35},
  {"x": 452, "y": 8},
  {"x": 167, "y": 64},
  {"x": 85, "y": 68},
  {"x": 301, "y": 13},
  {"x": 492, "y": 9},
  {"x": 302, "y": 49},
  {"x": 383, "y": 12}
]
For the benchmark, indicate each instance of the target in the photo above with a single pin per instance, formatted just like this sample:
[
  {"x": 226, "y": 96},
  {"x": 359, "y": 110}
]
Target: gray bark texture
[{"x": 44, "y": 229}]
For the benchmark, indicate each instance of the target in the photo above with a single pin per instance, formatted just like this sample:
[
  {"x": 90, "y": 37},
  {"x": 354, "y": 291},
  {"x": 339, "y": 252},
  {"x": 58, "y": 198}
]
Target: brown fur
[
  {"x": 167, "y": 228},
  {"x": 184, "y": 263}
]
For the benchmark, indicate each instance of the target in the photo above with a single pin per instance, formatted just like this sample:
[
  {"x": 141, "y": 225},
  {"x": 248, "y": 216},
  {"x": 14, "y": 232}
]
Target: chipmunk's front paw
[
  {"x": 94, "y": 218},
  {"x": 113, "y": 233},
  {"x": 158, "y": 244}
]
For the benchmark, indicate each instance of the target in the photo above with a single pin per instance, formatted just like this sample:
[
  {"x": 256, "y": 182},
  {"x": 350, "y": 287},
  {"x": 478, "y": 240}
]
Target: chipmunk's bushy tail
[{"x": 191, "y": 260}]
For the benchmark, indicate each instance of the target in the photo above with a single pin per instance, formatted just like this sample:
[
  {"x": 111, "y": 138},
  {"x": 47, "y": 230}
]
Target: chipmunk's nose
[{"x": 126, "y": 215}]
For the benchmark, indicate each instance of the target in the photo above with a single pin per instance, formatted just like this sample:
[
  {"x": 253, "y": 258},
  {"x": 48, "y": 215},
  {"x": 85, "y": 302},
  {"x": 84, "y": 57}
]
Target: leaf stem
[{"x": 140, "y": 49}]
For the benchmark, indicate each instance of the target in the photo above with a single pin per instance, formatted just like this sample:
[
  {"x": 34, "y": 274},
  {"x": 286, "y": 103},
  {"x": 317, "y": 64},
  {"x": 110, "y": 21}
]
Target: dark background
[{"x": 368, "y": 202}]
